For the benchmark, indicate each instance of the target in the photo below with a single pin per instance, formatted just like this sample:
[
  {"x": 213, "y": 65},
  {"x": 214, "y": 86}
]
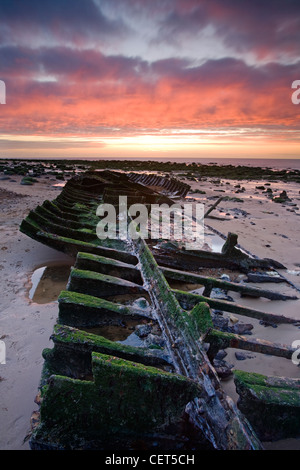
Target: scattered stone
[
  {"x": 28, "y": 181},
  {"x": 233, "y": 319},
  {"x": 220, "y": 355},
  {"x": 263, "y": 277},
  {"x": 223, "y": 369},
  {"x": 242, "y": 328},
  {"x": 143, "y": 330},
  {"x": 268, "y": 323},
  {"x": 217, "y": 293},
  {"x": 242, "y": 356},
  {"x": 220, "y": 322},
  {"x": 283, "y": 197},
  {"x": 225, "y": 277}
]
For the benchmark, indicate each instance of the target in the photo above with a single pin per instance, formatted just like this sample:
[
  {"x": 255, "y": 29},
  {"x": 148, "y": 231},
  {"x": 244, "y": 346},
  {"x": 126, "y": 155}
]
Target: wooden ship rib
[{"x": 166, "y": 393}]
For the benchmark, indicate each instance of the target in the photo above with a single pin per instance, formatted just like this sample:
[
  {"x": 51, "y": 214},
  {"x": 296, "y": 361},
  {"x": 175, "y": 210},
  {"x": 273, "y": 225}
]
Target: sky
[{"x": 149, "y": 78}]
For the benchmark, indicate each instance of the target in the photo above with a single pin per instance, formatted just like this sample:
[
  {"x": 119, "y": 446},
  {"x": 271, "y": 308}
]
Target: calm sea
[
  {"x": 277, "y": 163},
  {"x": 288, "y": 163},
  {"x": 280, "y": 163}
]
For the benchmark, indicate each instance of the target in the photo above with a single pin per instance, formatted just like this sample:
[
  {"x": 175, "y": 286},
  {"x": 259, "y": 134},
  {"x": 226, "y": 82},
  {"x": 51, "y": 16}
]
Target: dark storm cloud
[
  {"x": 263, "y": 27},
  {"x": 69, "y": 20},
  {"x": 72, "y": 66},
  {"x": 68, "y": 63}
]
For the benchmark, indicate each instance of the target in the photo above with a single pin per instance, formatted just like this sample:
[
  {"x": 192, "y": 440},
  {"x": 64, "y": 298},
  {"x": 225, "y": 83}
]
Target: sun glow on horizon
[{"x": 185, "y": 143}]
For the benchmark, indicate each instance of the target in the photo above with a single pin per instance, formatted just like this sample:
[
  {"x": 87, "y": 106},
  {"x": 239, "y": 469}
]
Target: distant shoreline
[
  {"x": 275, "y": 163},
  {"x": 240, "y": 171}
]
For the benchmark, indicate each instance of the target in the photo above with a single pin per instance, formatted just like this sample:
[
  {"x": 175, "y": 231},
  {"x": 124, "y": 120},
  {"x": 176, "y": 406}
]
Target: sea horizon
[{"x": 276, "y": 163}]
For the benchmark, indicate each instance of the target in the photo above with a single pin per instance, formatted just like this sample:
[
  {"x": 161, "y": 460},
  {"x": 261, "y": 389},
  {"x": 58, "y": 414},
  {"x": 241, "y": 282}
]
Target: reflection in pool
[{"x": 48, "y": 282}]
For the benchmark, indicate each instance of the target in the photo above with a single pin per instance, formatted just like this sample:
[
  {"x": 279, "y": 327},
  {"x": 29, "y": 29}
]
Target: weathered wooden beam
[
  {"x": 211, "y": 282},
  {"x": 222, "y": 340},
  {"x": 101, "y": 285},
  {"x": 76, "y": 309},
  {"x": 214, "y": 412},
  {"x": 72, "y": 246},
  {"x": 107, "y": 403},
  {"x": 73, "y": 348},
  {"x": 188, "y": 300},
  {"x": 231, "y": 257},
  {"x": 112, "y": 267},
  {"x": 276, "y": 399},
  {"x": 213, "y": 207}
]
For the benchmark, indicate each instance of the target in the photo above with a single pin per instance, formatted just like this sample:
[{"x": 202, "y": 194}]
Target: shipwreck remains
[{"x": 158, "y": 386}]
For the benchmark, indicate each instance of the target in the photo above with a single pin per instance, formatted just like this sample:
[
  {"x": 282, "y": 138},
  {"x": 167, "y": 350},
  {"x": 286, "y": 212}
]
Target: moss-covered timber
[
  {"x": 72, "y": 246},
  {"x": 214, "y": 412},
  {"x": 124, "y": 398},
  {"x": 272, "y": 404},
  {"x": 46, "y": 224},
  {"x": 101, "y": 285},
  {"x": 71, "y": 354},
  {"x": 60, "y": 219},
  {"x": 210, "y": 283},
  {"x": 100, "y": 264},
  {"x": 188, "y": 300},
  {"x": 53, "y": 207},
  {"x": 231, "y": 257},
  {"x": 221, "y": 340},
  {"x": 79, "y": 310}
]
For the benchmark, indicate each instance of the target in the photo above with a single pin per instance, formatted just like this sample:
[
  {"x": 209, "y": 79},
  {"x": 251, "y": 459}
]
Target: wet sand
[
  {"x": 264, "y": 228},
  {"x": 268, "y": 230},
  {"x": 25, "y": 325}
]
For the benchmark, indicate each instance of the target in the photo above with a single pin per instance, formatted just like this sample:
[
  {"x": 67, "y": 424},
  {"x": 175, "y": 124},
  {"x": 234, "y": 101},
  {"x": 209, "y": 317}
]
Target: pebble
[
  {"x": 233, "y": 319},
  {"x": 223, "y": 369},
  {"x": 143, "y": 330},
  {"x": 268, "y": 323},
  {"x": 242, "y": 356},
  {"x": 242, "y": 329}
]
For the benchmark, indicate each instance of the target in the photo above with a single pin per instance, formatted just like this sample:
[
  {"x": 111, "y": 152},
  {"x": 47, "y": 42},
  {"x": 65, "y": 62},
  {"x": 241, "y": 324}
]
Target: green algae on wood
[
  {"x": 221, "y": 340},
  {"x": 188, "y": 300},
  {"x": 210, "y": 283},
  {"x": 76, "y": 309},
  {"x": 125, "y": 397},
  {"x": 103, "y": 265},
  {"x": 101, "y": 285},
  {"x": 272, "y": 404},
  {"x": 71, "y": 354}
]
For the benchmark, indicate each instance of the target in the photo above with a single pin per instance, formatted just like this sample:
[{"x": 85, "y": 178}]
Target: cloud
[
  {"x": 93, "y": 92},
  {"x": 68, "y": 62},
  {"x": 50, "y": 21},
  {"x": 268, "y": 29},
  {"x": 47, "y": 143}
]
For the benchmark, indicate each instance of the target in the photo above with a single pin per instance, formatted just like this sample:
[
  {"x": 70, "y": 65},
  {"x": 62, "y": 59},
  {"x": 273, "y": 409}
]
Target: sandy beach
[{"x": 265, "y": 229}]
